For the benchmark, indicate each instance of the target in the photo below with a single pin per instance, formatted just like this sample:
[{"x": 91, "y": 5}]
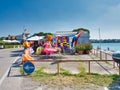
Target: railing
[
  {"x": 104, "y": 57},
  {"x": 102, "y": 54},
  {"x": 61, "y": 61}
]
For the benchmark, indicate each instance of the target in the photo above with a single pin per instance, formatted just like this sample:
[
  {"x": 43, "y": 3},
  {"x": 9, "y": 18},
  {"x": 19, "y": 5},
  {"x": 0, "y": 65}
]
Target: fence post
[
  {"x": 94, "y": 51},
  {"x": 105, "y": 56},
  {"x": 118, "y": 64},
  {"x": 100, "y": 54},
  {"x": 58, "y": 68},
  {"x": 113, "y": 64},
  {"x": 88, "y": 67}
]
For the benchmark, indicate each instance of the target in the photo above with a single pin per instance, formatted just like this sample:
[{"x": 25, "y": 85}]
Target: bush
[
  {"x": 88, "y": 46},
  {"x": 80, "y": 47},
  {"x": 84, "y": 48}
]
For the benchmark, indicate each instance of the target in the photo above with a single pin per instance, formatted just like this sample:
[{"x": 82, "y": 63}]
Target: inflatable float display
[
  {"x": 26, "y": 56},
  {"x": 39, "y": 50},
  {"x": 76, "y": 37},
  {"x": 27, "y": 46},
  {"x": 48, "y": 49}
]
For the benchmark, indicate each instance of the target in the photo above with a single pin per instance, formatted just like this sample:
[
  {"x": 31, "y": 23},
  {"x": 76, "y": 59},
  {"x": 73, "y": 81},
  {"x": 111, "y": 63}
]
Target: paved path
[
  {"x": 95, "y": 67},
  {"x": 7, "y": 57},
  {"x": 16, "y": 81}
]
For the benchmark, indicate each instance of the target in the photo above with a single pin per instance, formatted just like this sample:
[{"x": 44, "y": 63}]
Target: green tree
[
  {"x": 76, "y": 30},
  {"x": 41, "y": 34}
]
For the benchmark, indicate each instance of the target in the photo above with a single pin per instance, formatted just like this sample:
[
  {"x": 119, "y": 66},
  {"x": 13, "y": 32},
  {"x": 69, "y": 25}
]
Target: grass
[
  {"x": 76, "y": 81},
  {"x": 81, "y": 69},
  {"x": 21, "y": 70}
]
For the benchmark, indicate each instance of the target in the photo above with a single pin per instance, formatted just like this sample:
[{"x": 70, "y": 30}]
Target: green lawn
[{"x": 75, "y": 81}]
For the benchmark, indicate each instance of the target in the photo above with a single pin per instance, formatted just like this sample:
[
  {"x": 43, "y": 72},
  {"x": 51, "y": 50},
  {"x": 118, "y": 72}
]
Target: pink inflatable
[{"x": 48, "y": 49}]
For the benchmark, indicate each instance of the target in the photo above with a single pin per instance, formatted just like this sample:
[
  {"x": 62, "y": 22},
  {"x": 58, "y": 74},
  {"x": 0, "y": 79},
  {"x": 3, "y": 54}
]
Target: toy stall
[
  {"x": 64, "y": 39},
  {"x": 67, "y": 40}
]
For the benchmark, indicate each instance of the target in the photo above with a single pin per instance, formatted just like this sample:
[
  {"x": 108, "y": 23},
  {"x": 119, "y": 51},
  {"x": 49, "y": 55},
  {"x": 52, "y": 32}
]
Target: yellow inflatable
[
  {"x": 26, "y": 44},
  {"x": 39, "y": 50}
]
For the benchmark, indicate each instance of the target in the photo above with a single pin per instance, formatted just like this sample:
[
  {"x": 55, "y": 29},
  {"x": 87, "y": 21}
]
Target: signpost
[{"x": 28, "y": 67}]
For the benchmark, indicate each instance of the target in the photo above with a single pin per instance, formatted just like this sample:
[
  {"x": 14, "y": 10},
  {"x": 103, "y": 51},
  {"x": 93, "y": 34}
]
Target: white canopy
[
  {"x": 11, "y": 41},
  {"x": 35, "y": 38}
]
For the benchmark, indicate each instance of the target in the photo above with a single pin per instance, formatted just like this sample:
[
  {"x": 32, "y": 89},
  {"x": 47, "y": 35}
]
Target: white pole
[
  {"x": 99, "y": 39},
  {"x": 100, "y": 44}
]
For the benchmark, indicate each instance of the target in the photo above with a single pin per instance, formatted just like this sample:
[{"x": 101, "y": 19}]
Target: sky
[{"x": 61, "y": 15}]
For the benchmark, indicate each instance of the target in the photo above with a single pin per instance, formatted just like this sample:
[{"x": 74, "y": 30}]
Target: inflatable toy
[
  {"x": 30, "y": 50},
  {"x": 48, "y": 49},
  {"x": 75, "y": 38},
  {"x": 39, "y": 50},
  {"x": 26, "y": 44},
  {"x": 31, "y": 42},
  {"x": 49, "y": 37},
  {"x": 26, "y": 56}
]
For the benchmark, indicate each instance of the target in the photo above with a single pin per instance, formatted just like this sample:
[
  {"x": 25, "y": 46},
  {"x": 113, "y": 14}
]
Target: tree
[
  {"x": 76, "y": 30},
  {"x": 41, "y": 34},
  {"x": 2, "y": 38}
]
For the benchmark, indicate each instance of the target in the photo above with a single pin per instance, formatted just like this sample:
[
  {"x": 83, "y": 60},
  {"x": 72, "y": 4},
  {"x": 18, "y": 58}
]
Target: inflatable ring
[{"x": 39, "y": 50}]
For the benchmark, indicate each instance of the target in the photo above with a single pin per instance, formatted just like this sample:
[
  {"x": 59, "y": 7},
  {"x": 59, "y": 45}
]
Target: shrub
[
  {"x": 88, "y": 46},
  {"x": 80, "y": 47}
]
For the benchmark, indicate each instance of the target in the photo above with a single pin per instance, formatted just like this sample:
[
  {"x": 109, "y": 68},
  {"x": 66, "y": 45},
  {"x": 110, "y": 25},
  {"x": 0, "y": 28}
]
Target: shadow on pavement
[
  {"x": 16, "y": 53},
  {"x": 48, "y": 57},
  {"x": 15, "y": 65},
  {"x": 18, "y": 75}
]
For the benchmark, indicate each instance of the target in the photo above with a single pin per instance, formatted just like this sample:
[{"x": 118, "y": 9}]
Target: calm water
[{"x": 105, "y": 46}]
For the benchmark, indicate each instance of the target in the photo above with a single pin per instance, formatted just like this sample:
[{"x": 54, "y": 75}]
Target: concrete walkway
[
  {"x": 95, "y": 67},
  {"x": 25, "y": 83}
]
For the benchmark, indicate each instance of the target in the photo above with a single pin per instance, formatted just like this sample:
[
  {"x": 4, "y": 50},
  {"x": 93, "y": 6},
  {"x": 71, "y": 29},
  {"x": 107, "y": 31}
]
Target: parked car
[{"x": 1, "y": 46}]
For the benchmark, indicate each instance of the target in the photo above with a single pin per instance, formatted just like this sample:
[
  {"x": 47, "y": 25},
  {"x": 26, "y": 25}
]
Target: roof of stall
[
  {"x": 65, "y": 33},
  {"x": 35, "y": 38}
]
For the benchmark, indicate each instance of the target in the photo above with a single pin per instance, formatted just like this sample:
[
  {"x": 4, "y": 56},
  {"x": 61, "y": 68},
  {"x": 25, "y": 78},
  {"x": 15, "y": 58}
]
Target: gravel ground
[{"x": 26, "y": 83}]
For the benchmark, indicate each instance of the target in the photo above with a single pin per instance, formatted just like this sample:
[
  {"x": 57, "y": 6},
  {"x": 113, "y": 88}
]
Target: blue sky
[{"x": 60, "y": 15}]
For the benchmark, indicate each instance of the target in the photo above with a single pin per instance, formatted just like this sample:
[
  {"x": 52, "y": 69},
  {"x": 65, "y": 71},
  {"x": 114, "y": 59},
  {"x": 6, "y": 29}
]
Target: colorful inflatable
[
  {"x": 26, "y": 44},
  {"x": 39, "y": 50},
  {"x": 26, "y": 56},
  {"x": 48, "y": 49},
  {"x": 75, "y": 38}
]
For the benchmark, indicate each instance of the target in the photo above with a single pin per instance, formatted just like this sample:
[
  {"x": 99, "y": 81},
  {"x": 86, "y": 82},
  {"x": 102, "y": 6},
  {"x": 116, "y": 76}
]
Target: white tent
[
  {"x": 15, "y": 41},
  {"x": 35, "y": 38},
  {"x": 11, "y": 41},
  {"x": 7, "y": 41}
]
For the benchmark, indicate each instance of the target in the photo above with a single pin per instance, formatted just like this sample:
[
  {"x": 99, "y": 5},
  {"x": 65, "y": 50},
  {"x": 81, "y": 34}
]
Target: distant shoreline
[
  {"x": 105, "y": 41},
  {"x": 107, "y": 46}
]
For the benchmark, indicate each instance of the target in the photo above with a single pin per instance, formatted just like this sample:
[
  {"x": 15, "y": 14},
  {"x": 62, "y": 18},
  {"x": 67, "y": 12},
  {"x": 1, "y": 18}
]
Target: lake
[{"x": 105, "y": 46}]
